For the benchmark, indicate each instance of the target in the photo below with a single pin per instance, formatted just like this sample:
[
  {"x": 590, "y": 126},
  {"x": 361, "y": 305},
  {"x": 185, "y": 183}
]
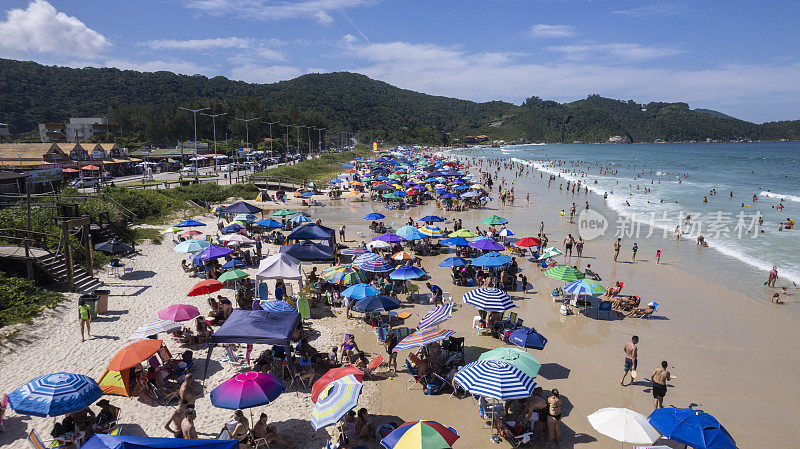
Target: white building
[{"x": 77, "y": 130}]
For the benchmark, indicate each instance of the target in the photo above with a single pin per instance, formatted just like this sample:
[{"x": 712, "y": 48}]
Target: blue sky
[{"x": 735, "y": 56}]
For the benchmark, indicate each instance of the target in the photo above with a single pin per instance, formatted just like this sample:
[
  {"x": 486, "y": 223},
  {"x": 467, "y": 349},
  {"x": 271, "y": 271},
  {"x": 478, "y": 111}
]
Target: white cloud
[
  {"x": 255, "y": 46},
  {"x": 175, "y": 66},
  {"x": 42, "y": 29},
  {"x": 613, "y": 51},
  {"x": 655, "y": 10},
  {"x": 548, "y": 31},
  {"x": 254, "y": 73},
  {"x": 277, "y": 10}
]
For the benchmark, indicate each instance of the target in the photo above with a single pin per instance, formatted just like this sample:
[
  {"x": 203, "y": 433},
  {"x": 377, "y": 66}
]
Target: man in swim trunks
[
  {"x": 568, "y": 245},
  {"x": 659, "y": 379},
  {"x": 631, "y": 358},
  {"x": 617, "y": 246}
]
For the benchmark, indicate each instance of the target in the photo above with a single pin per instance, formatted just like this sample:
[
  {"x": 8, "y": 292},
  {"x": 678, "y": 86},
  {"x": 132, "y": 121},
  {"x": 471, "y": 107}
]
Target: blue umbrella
[
  {"x": 371, "y": 262},
  {"x": 277, "y": 306},
  {"x": 299, "y": 218},
  {"x": 233, "y": 263},
  {"x": 232, "y": 228},
  {"x": 692, "y": 428},
  {"x": 453, "y": 262},
  {"x": 335, "y": 181},
  {"x": 307, "y": 194},
  {"x": 191, "y": 246},
  {"x": 376, "y": 303},
  {"x": 189, "y": 224},
  {"x": 528, "y": 338},
  {"x": 241, "y": 208},
  {"x": 491, "y": 260},
  {"x": 407, "y": 272},
  {"x": 432, "y": 219},
  {"x": 360, "y": 291},
  {"x": 374, "y": 216},
  {"x": 470, "y": 194},
  {"x": 55, "y": 395},
  {"x": 455, "y": 241},
  {"x": 489, "y": 298},
  {"x": 448, "y": 195},
  {"x": 495, "y": 379},
  {"x": 269, "y": 223},
  {"x": 409, "y": 233}
]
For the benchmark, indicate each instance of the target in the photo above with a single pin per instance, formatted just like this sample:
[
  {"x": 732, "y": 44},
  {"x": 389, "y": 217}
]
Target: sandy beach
[{"x": 734, "y": 356}]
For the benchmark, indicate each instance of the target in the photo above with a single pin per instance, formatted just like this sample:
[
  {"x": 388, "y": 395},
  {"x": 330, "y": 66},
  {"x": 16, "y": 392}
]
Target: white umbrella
[
  {"x": 550, "y": 252},
  {"x": 378, "y": 244},
  {"x": 238, "y": 238},
  {"x": 279, "y": 266},
  {"x": 624, "y": 425}
]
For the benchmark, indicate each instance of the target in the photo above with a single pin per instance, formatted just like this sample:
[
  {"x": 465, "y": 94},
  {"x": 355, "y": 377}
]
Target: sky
[{"x": 739, "y": 57}]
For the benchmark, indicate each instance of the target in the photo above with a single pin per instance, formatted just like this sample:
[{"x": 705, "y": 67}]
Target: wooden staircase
[{"x": 55, "y": 267}]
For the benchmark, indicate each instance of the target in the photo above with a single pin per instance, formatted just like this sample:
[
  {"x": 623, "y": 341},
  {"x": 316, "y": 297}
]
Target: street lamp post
[
  {"x": 194, "y": 113},
  {"x": 214, "y": 125},
  {"x": 287, "y": 140},
  {"x": 247, "y": 136},
  {"x": 270, "y": 135}
]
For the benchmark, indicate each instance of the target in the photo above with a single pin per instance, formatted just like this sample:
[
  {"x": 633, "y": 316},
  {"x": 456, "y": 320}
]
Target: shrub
[{"x": 20, "y": 299}]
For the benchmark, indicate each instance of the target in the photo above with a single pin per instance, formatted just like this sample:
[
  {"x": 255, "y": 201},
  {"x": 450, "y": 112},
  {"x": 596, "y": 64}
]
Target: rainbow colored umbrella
[
  {"x": 431, "y": 231},
  {"x": 584, "y": 287},
  {"x": 338, "y": 398},
  {"x": 422, "y": 338},
  {"x": 343, "y": 275},
  {"x": 246, "y": 390},
  {"x": 421, "y": 435}
]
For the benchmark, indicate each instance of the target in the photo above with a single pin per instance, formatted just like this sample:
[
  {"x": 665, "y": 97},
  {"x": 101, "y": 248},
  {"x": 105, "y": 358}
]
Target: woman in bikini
[{"x": 554, "y": 416}]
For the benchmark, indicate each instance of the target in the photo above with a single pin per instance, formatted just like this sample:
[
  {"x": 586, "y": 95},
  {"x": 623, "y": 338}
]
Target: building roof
[
  {"x": 89, "y": 146},
  {"x": 66, "y": 147},
  {"x": 161, "y": 152},
  {"x": 29, "y": 151},
  {"x": 108, "y": 146}
]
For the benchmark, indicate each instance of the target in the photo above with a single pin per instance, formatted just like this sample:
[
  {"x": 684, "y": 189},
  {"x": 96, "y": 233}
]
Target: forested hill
[{"x": 145, "y": 104}]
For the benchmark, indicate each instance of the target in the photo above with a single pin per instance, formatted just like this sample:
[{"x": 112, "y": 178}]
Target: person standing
[
  {"x": 85, "y": 317},
  {"x": 342, "y": 229},
  {"x": 177, "y": 418},
  {"x": 635, "y": 249},
  {"x": 554, "y": 416},
  {"x": 568, "y": 245},
  {"x": 390, "y": 343},
  {"x": 579, "y": 247},
  {"x": 773, "y": 277},
  {"x": 658, "y": 256},
  {"x": 631, "y": 358},
  {"x": 659, "y": 379},
  {"x": 617, "y": 246},
  {"x": 188, "y": 430}
]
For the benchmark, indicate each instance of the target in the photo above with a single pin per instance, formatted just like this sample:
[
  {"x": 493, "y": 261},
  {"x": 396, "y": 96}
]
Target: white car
[{"x": 84, "y": 183}]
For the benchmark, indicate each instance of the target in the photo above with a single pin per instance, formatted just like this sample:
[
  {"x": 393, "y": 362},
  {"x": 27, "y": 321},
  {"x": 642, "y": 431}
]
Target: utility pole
[
  {"x": 319, "y": 139},
  {"x": 194, "y": 113},
  {"x": 214, "y": 125},
  {"x": 270, "y": 135},
  {"x": 308, "y": 132},
  {"x": 298, "y": 138},
  {"x": 287, "y": 139},
  {"x": 247, "y": 135}
]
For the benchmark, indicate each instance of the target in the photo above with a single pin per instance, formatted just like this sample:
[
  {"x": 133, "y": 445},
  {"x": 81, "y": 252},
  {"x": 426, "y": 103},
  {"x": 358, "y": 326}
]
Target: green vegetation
[
  {"x": 21, "y": 300},
  {"x": 319, "y": 170},
  {"x": 151, "y": 234}
]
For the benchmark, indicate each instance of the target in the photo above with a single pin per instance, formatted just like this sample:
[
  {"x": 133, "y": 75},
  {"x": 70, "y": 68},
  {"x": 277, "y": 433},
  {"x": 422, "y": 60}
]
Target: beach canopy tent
[
  {"x": 102, "y": 441},
  {"x": 241, "y": 208},
  {"x": 311, "y": 231},
  {"x": 279, "y": 266},
  {"x": 119, "y": 378},
  {"x": 255, "y": 327},
  {"x": 308, "y": 251}
]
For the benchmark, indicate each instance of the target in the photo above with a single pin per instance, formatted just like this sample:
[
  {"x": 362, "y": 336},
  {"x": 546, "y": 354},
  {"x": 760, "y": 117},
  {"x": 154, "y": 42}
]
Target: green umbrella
[
  {"x": 564, "y": 273},
  {"x": 463, "y": 233},
  {"x": 284, "y": 212},
  {"x": 525, "y": 361},
  {"x": 171, "y": 229},
  {"x": 494, "y": 220},
  {"x": 232, "y": 275},
  {"x": 550, "y": 252},
  {"x": 391, "y": 196}
]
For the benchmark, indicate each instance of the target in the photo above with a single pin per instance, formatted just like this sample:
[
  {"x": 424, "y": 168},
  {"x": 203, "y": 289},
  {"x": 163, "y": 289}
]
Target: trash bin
[
  {"x": 91, "y": 301},
  {"x": 102, "y": 300}
]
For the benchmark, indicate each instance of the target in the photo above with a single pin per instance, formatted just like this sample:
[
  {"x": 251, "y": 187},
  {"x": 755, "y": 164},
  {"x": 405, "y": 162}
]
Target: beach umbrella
[
  {"x": 431, "y": 231},
  {"x": 113, "y": 246},
  {"x": 232, "y": 228},
  {"x": 464, "y": 233},
  {"x": 527, "y": 242},
  {"x": 584, "y": 287},
  {"x": 624, "y": 425},
  {"x": 354, "y": 251},
  {"x": 378, "y": 244},
  {"x": 360, "y": 291},
  {"x": 338, "y": 398},
  {"x": 550, "y": 252},
  {"x": 489, "y": 298},
  {"x": 299, "y": 218},
  {"x": 491, "y": 260},
  {"x": 247, "y": 390},
  {"x": 402, "y": 255},
  {"x": 206, "y": 287},
  {"x": 432, "y": 219},
  {"x": 376, "y": 304},
  {"x": 389, "y": 237},
  {"x": 480, "y": 187},
  {"x": 171, "y": 229},
  {"x": 524, "y": 361},
  {"x": 455, "y": 241},
  {"x": 284, "y": 212},
  {"x": 269, "y": 223},
  {"x": 471, "y": 194},
  {"x": 179, "y": 312},
  {"x": 55, "y": 394},
  {"x": 190, "y": 233},
  {"x": 213, "y": 252},
  {"x": 409, "y": 233},
  {"x": 153, "y": 328},
  {"x": 495, "y": 379},
  {"x": 335, "y": 181},
  {"x": 311, "y": 184},
  {"x": 236, "y": 238},
  {"x": 217, "y": 209},
  {"x": 448, "y": 196},
  {"x": 564, "y": 273},
  {"x": 691, "y": 427},
  {"x": 372, "y": 262},
  {"x": 273, "y": 305},
  {"x": 436, "y": 316},
  {"x": 331, "y": 375},
  {"x": 486, "y": 244},
  {"x": 189, "y": 224},
  {"x": 233, "y": 263},
  {"x": 343, "y": 275},
  {"x": 407, "y": 272},
  {"x": 134, "y": 354},
  {"x": 232, "y": 275},
  {"x": 453, "y": 262},
  {"x": 374, "y": 216},
  {"x": 421, "y": 435},
  {"x": 382, "y": 187},
  {"x": 422, "y": 337},
  {"x": 494, "y": 220},
  {"x": 391, "y": 196},
  {"x": 527, "y": 338},
  {"x": 306, "y": 194},
  {"x": 245, "y": 217},
  {"x": 241, "y": 208},
  {"x": 505, "y": 233},
  {"x": 308, "y": 251}
]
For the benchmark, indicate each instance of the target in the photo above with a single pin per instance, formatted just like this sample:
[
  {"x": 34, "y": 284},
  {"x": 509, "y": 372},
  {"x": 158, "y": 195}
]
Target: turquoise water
[{"x": 653, "y": 187}]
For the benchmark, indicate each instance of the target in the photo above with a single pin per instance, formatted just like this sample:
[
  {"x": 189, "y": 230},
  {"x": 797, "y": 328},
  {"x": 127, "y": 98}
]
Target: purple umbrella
[
  {"x": 214, "y": 252},
  {"x": 389, "y": 237},
  {"x": 246, "y": 390},
  {"x": 486, "y": 244}
]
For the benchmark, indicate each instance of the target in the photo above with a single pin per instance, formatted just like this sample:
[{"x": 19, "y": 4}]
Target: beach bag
[
  {"x": 566, "y": 310},
  {"x": 434, "y": 387}
]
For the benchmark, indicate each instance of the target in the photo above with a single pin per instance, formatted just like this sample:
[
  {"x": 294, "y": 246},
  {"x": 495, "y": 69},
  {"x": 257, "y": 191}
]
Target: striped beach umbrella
[
  {"x": 374, "y": 263},
  {"x": 338, "y": 398},
  {"x": 55, "y": 395},
  {"x": 550, "y": 252},
  {"x": 436, "y": 316},
  {"x": 407, "y": 272},
  {"x": 431, "y": 231},
  {"x": 154, "y": 327},
  {"x": 402, "y": 255},
  {"x": 564, "y": 273},
  {"x": 489, "y": 298},
  {"x": 422, "y": 337},
  {"x": 343, "y": 275},
  {"x": 421, "y": 435},
  {"x": 495, "y": 379},
  {"x": 505, "y": 233},
  {"x": 584, "y": 287},
  {"x": 332, "y": 375},
  {"x": 354, "y": 251},
  {"x": 273, "y": 305},
  {"x": 525, "y": 361}
]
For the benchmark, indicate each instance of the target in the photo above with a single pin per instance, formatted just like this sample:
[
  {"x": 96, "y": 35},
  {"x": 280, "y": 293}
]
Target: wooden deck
[{"x": 18, "y": 252}]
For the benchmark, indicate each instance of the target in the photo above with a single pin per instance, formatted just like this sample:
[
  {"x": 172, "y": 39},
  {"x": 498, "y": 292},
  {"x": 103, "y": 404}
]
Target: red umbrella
[
  {"x": 330, "y": 376},
  {"x": 527, "y": 242},
  {"x": 206, "y": 287},
  {"x": 90, "y": 167},
  {"x": 191, "y": 233}
]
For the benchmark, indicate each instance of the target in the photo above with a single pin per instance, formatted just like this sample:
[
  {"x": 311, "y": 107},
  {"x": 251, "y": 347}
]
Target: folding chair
[
  {"x": 3, "y": 406},
  {"x": 382, "y": 333},
  {"x": 512, "y": 320},
  {"x": 38, "y": 443},
  {"x": 648, "y": 315},
  {"x": 414, "y": 378},
  {"x": 263, "y": 291},
  {"x": 373, "y": 365},
  {"x": 232, "y": 358}
]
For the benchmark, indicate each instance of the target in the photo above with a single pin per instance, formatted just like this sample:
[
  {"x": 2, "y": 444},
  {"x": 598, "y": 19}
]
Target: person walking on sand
[
  {"x": 631, "y": 359},
  {"x": 568, "y": 242},
  {"x": 617, "y": 246},
  {"x": 554, "y": 416},
  {"x": 659, "y": 379},
  {"x": 579, "y": 247},
  {"x": 342, "y": 230},
  {"x": 635, "y": 249},
  {"x": 85, "y": 317},
  {"x": 773, "y": 277}
]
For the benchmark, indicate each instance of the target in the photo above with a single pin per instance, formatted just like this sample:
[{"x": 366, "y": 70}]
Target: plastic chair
[
  {"x": 605, "y": 306},
  {"x": 648, "y": 315}
]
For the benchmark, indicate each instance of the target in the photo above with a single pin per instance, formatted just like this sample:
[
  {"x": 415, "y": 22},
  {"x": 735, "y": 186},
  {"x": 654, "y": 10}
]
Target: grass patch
[
  {"x": 147, "y": 234},
  {"x": 21, "y": 299},
  {"x": 319, "y": 170}
]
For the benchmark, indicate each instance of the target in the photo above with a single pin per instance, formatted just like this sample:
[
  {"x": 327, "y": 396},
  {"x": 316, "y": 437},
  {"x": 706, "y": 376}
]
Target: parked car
[{"x": 84, "y": 183}]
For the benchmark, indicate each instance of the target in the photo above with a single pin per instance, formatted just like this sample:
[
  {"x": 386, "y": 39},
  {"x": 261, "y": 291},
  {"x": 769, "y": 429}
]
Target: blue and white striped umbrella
[
  {"x": 438, "y": 315},
  {"x": 489, "y": 298},
  {"x": 338, "y": 398},
  {"x": 584, "y": 287},
  {"x": 372, "y": 262},
  {"x": 495, "y": 379},
  {"x": 299, "y": 218},
  {"x": 354, "y": 251},
  {"x": 154, "y": 327},
  {"x": 55, "y": 395},
  {"x": 277, "y": 306}
]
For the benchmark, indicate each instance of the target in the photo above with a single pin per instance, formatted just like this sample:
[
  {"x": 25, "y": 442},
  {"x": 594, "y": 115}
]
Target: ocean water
[{"x": 653, "y": 187}]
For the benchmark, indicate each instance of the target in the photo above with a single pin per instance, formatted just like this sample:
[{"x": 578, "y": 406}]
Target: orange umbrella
[
  {"x": 134, "y": 354},
  {"x": 206, "y": 287},
  {"x": 69, "y": 170},
  {"x": 90, "y": 167}
]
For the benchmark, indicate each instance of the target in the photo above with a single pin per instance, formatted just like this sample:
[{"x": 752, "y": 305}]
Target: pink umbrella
[
  {"x": 246, "y": 390},
  {"x": 179, "y": 312}
]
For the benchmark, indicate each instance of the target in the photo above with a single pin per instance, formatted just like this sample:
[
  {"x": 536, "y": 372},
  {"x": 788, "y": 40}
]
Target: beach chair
[
  {"x": 111, "y": 425},
  {"x": 374, "y": 364},
  {"x": 294, "y": 376},
  {"x": 38, "y": 443},
  {"x": 414, "y": 378},
  {"x": 605, "y": 306},
  {"x": 3, "y": 406},
  {"x": 382, "y": 333},
  {"x": 263, "y": 291},
  {"x": 232, "y": 358},
  {"x": 512, "y": 320},
  {"x": 648, "y": 315}
]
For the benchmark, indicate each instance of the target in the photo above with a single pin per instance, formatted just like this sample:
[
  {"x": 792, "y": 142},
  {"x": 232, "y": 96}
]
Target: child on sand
[
  {"x": 635, "y": 249},
  {"x": 658, "y": 256}
]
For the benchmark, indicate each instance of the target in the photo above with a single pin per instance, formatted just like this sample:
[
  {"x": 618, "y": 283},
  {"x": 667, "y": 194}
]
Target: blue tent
[
  {"x": 189, "y": 224},
  {"x": 232, "y": 228},
  {"x": 269, "y": 223},
  {"x": 308, "y": 251},
  {"x": 102, "y": 441},
  {"x": 241, "y": 208},
  {"x": 311, "y": 231}
]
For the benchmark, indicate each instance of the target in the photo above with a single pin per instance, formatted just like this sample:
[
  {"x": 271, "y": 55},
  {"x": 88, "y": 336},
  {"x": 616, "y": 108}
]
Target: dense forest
[{"x": 146, "y": 106}]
